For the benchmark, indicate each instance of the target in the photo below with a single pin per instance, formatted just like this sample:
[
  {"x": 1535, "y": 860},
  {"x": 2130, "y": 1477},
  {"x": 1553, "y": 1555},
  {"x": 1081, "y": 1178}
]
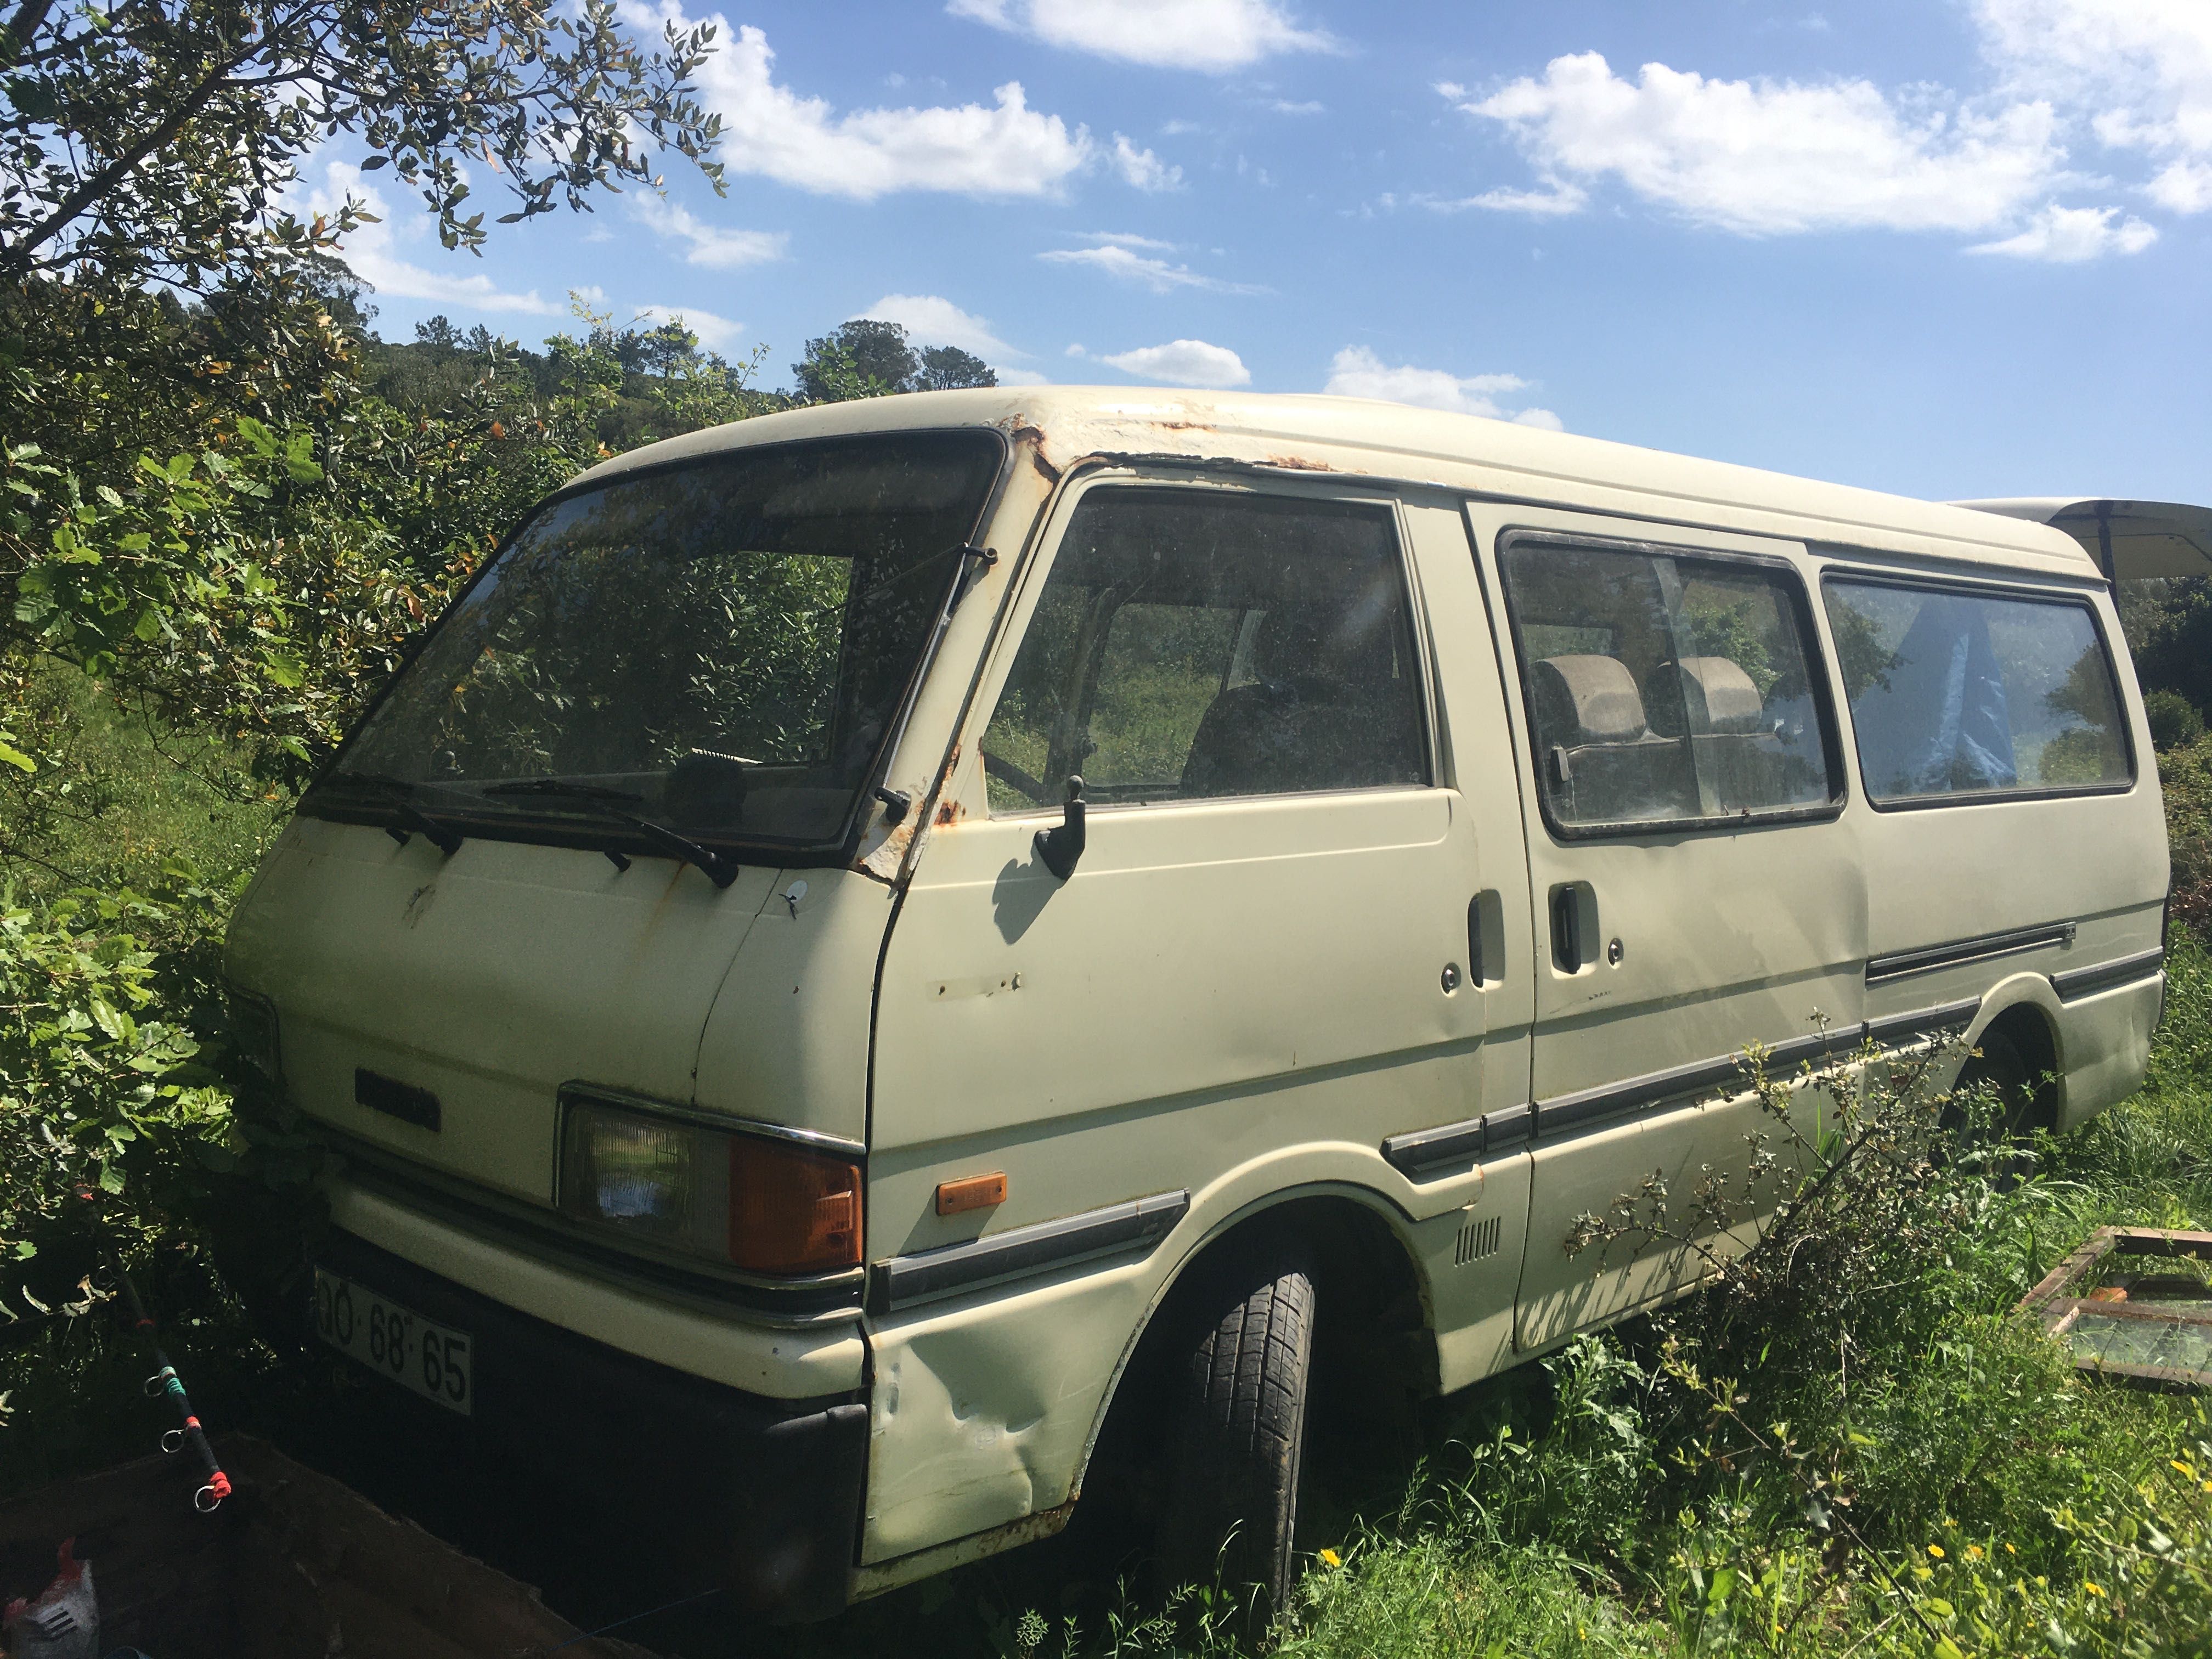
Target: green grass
[{"x": 135, "y": 802}]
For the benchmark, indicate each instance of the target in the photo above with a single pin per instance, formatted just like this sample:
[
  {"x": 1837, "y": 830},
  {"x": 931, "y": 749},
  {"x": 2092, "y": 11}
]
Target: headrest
[
  {"x": 1718, "y": 695},
  {"x": 1586, "y": 699}
]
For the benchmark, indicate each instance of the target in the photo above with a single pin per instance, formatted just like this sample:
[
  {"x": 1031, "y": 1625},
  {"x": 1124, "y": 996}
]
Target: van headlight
[{"x": 763, "y": 1203}]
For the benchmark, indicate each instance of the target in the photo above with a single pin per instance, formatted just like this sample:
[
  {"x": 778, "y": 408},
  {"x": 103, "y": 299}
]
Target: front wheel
[{"x": 1241, "y": 1437}]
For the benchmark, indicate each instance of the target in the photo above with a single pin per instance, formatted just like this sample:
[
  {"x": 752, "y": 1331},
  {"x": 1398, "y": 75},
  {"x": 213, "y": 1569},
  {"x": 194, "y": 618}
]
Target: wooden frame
[{"x": 2057, "y": 1312}]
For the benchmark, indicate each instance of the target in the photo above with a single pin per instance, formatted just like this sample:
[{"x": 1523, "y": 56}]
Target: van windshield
[{"x": 719, "y": 648}]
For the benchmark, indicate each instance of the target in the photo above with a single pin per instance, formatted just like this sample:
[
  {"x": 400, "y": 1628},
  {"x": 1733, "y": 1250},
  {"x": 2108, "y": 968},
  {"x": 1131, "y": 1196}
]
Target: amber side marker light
[{"x": 766, "y": 1205}]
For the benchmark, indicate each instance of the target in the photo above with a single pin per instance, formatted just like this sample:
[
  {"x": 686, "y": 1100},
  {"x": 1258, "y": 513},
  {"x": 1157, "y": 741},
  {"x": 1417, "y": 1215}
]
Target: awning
[{"x": 2127, "y": 539}]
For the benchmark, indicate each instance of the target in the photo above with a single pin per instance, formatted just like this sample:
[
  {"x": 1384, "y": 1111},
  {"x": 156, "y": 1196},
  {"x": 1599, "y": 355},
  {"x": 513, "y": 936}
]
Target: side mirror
[{"x": 1059, "y": 847}]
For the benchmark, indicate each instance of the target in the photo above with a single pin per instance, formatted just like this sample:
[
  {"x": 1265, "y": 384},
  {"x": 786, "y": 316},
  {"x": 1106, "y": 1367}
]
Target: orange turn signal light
[{"x": 791, "y": 1210}]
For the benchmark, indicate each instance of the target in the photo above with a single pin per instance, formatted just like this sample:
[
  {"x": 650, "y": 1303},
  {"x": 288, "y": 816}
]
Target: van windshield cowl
[{"x": 720, "y": 647}]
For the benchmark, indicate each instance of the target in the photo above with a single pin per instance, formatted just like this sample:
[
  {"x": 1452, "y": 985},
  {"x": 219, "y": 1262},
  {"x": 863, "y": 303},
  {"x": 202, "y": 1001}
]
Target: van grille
[{"x": 1478, "y": 1239}]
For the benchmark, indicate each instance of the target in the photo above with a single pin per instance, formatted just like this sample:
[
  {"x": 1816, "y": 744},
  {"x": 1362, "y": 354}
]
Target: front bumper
[{"x": 760, "y": 1496}]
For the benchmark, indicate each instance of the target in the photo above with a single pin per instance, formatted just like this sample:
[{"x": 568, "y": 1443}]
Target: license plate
[{"x": 396, "y": 1341}]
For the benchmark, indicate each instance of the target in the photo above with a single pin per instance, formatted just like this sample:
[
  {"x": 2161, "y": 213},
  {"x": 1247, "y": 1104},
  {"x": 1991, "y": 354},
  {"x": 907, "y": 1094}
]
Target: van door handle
[
  {"x": 1486, "y": 945},
  {"x": 1569, "y": 924}
]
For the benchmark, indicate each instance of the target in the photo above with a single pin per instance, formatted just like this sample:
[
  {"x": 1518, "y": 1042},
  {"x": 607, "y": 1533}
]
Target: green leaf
[
  {"x": 284, "y": 668},
  {"x": 16, "y": 757}
]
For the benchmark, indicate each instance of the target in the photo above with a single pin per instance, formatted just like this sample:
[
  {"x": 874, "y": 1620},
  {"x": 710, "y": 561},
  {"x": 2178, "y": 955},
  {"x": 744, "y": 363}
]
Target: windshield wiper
[
  {"x": 718, "y": 869},
  {"x": 444, "y": 837}
]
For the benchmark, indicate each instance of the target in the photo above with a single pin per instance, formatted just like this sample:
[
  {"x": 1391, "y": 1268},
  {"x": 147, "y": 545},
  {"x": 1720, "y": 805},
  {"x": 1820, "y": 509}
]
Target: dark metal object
[
  {"x": 1422, "y": 1153},
  {"x": 2061, "y": 1312},
  {"x": 2105, "y": 975},
  {"x": 974, "y": 561},
  {"x": 897, "y": 804},
  {"x": 404, "y": 1101},
  {"x": 1136, "y": 1223},
  {"x": 1059, "y": 847},
  {"x": 1880, "y": 970}
]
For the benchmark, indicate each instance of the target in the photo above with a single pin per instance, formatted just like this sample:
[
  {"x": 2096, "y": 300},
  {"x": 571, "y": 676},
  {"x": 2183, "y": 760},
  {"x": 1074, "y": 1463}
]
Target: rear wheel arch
[{"x": 2023, "y": 1029}]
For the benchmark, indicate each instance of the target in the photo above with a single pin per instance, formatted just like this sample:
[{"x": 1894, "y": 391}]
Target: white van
[{"x": 763, "y": 1068}]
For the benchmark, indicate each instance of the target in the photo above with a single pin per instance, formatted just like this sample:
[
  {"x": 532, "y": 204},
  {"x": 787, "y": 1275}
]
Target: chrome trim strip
[
  {"x": 1905, "y": 964},
  {"x": 1422, "y": 1153},
  {"x": 708, "y": 1119},
  {"x": 2083, "y": 981},
  {"x": 901, "y": 1281}
]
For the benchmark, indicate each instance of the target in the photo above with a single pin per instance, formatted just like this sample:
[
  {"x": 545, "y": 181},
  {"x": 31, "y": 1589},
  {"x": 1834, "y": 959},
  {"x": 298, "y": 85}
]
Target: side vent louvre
[{"x": 1478, "y": 1239}]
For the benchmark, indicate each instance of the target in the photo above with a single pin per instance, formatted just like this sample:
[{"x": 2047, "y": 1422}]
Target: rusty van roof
[{"x": 1363, "y": 438}]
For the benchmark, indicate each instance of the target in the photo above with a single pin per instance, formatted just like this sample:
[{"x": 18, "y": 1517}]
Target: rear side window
[
  {"x": 1955, "y": 692},
  {"x": 1193, "y": 644},
  {"x": 1665, "y": 688}
]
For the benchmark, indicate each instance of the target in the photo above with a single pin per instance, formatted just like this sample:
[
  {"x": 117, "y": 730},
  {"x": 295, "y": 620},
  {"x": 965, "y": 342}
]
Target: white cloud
[
  {"x": 1553, "y": 200},
  {"x": 368, "y": 250},
  {"x": 1307, "y": 107},
  {"x": 1211, "y": 35},
  {"x": 1125, "y": 239},
  {"x": 1357, "y": 372},
  {"x": 1767, "y": 157},
  {"x": 1129, "y": 266},
  {"x": 711, "y": 245},
  {"x": 2070, "y": 236},
  {"x": 1005, "y": 148},
  {"x": 933, "y": 320},
  {"x": 2141, "y": 69},
  {"x": 1184, "y": 362},
  {"x": 715, "y": 333},
  {"x": 2184, "y": 187},
  {"x": 1143, "y": 170}
]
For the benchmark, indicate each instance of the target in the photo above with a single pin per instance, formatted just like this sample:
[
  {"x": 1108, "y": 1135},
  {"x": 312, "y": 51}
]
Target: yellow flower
[
  {"x": 1332, "y": 1558},
  {"x": 1936, "y": 1550},
  {"x": 1973, "y": 1551},
  {"x": 2093, "y": 1588},
  {"x": 2010, "y": 1550},
  {"x": 2186, "y": 1471}
]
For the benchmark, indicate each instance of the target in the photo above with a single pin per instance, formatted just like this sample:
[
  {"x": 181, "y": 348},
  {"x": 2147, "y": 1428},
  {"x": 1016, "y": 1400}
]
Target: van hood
[{"x": 486, "y": 982}]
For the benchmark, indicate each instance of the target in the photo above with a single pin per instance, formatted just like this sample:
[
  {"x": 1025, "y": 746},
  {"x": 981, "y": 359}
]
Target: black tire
[{"x": 1241, "y": 1437}]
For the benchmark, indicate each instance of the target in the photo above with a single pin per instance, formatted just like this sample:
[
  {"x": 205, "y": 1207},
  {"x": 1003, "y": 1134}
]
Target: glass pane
[
  {"x": 1969, "y": 693},
  {"x": 1664, "y": 690},
  {"x": 1192, "y": 644},
  {"x": 1748, "y": 693},
  {"x": 720, "y": 645}
]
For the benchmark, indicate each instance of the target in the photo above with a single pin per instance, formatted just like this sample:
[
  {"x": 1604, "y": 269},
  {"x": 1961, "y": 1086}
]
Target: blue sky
[{"x": 1945, "y": 248}]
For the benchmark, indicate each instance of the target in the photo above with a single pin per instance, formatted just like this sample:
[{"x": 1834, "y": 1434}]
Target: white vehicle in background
[{"x": 876, "y": 949}]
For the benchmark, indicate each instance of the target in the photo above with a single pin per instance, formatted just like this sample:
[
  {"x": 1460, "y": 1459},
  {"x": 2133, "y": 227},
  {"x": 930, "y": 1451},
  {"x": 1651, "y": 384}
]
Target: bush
[{"x": 2174, "y": 721}]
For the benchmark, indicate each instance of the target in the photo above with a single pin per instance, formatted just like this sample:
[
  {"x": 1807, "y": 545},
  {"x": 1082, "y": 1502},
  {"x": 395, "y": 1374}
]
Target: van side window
[
  {"x": 1664, "y": 689},
  {"x": 1956, "y": 692},
  {"x": 1192, "y": 644}
]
